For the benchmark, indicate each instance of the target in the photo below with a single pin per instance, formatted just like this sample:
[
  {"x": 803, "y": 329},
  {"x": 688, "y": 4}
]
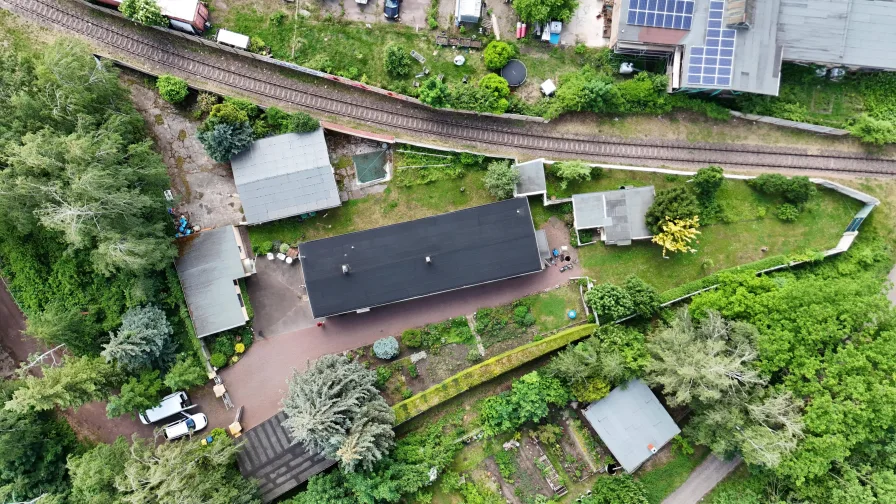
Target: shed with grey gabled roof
[
  {"x": 618, "y": 215},
  {"x": 632, "y": 423},
  {"x": 285, "y": 175},
  {"x": 209, "y": 265}
]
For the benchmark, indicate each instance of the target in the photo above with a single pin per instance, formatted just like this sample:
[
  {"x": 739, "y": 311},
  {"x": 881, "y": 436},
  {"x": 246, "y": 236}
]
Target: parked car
[
  {"x": 169, "y": 406},
  {"x": 391, "y": 8},
  {"x": 188, "y": 424}
]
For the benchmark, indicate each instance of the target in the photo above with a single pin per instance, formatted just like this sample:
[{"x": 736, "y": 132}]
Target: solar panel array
[
  {"x": 675, "y": 14},
  {"x": 711, "y": 64}
]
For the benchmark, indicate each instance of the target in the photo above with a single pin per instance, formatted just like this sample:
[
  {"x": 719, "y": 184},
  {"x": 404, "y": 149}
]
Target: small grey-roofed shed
[
  {"x": 209, "y": 263},
  {"x": 629, "y": 420},
  {"x": 621, "y": 213},
  {"x": 531, "y": 180},
  {"x": 285, "y": 175},
  {"x": 468, "y": 11},
  {"x": 269, "y": 455}
]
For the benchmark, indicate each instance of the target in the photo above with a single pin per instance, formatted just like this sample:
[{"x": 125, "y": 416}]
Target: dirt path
[
  {"x": 704, "y": 478},
  {"x": 89, "y": 421}
]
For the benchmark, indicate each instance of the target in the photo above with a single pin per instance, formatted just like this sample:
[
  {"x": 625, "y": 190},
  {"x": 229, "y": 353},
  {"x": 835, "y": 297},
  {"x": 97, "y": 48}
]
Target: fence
[
  {"x": 812, "y": 128},
  {"x": 310, "y": 71}
]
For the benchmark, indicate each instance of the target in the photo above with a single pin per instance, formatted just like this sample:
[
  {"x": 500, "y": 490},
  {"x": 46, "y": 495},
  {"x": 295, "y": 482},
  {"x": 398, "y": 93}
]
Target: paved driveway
[
  {"x": 277, "y": 298},
  {"x": 258, "y": 381}
]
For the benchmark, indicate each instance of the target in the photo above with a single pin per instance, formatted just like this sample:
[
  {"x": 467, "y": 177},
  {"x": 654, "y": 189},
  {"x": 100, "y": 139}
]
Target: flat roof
[
  {"x": 285, "y": 175},
  {"x": 209, "y": 262},
  {"x": 232, "y": 38},
  {"x": 270, "y": 456},
  {"x": 629, "y": 420},
  {"x": 531, "y": 178},
  {"x": 620, "y": 213},
  {"x": 180, "y": 9},
  {"x": 388, "y": 264}
]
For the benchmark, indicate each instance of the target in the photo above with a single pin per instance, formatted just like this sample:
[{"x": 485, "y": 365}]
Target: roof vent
[
  {"x": 651, "y": 448},
  {"x": 345, "y": 269},
  {"x": 428, "y": 260}
]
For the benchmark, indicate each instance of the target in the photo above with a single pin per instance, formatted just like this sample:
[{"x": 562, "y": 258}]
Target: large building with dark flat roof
[{"x": 358, "y": 271}]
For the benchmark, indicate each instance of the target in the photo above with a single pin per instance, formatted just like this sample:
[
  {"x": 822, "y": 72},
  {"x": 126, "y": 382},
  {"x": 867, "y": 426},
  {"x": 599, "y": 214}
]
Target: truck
[{"x": 189, "y": 16}]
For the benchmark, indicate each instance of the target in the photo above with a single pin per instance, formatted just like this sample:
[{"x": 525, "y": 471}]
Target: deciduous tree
[
  {"x": 707, "y": 183},
  {"x": 677, "y": 235},
  {"x": 143, "y": 11},
  {"x": 434, "y": 92},
  {"x": 609, "y": 302},
  {"x": 58, "y": 324},
  {"x": 500, "y": 179},
  {"x": 497, "y": 53},
  {"x": 186, "y": 373},
  {"x": 138, "y": 394},
  {"x": 542, "y": 11},
  {"x": 671, "y": 204},
  {"x": 93, "y": 474},
  {"x": 397, "y": 61}
]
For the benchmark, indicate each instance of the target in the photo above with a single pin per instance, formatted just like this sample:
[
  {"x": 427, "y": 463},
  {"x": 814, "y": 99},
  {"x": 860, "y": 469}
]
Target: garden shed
[
  {"x": 632, "y": 423},
  {"x": 467, "y": 11},
  {"x": 284, "y": 176},
  {"x": 209, "y": 265},
  {"x": 619, "y": 216},
  {"x": 357, "y": 271}
]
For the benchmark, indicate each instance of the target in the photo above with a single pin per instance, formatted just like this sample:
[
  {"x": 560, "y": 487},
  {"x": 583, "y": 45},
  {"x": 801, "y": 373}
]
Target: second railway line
[{"x": 396, "y": 115}]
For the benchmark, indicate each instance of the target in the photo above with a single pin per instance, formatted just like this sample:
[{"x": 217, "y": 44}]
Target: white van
[
  {"x": 170, "y": 405},
  {"x": 188, "y": 424}
]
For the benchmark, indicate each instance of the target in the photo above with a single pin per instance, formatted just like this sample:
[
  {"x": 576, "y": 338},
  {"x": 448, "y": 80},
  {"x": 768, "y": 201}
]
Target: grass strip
[{"x": 485, "y": 371}]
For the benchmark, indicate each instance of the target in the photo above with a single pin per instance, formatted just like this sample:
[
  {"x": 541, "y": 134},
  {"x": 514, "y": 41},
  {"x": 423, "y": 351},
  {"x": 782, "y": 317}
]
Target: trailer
[{"x": 189, "y": 16}]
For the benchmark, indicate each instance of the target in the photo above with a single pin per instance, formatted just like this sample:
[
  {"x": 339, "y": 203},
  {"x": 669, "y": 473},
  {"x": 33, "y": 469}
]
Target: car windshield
[{"x": 391, "y": 4}]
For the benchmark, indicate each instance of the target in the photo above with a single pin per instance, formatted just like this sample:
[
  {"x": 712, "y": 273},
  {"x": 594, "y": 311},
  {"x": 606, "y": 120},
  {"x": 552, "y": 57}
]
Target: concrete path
[{"x": 704, "y": 478}]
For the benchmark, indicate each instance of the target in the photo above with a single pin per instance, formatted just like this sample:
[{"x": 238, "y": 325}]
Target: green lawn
[
  {"x": 721, "y": 245},
  {"x": 663, "y": 480},
  {"x": 396, "y": 204},
  {"x": 550, "y": 308}
]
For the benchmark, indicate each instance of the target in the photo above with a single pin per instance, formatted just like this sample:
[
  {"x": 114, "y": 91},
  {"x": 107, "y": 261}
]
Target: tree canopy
[
  {"x": 334, "y": 407},
  {"x": 500, "y": 179},
  {"x": 143, "y": 340},
  {"x": 533, "y": 11},
  {"x": 77, "y": 381}
]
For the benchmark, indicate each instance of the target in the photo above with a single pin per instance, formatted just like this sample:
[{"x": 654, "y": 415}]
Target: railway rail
[{"x": 249, "y": 76}]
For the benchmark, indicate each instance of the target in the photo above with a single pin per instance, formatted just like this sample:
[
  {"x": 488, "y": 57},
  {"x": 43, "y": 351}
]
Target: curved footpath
[{"x": 157, "y": 52}]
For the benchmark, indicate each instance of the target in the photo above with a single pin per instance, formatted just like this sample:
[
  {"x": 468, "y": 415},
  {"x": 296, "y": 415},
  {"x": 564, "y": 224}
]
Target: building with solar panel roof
[{"x": 739, "y": 45}]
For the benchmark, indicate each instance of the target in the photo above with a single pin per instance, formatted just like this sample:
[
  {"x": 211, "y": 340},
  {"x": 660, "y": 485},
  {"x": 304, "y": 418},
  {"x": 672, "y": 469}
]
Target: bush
[
  {"x": 187, "y": 372},
  {"x": 574, "y": 171},
  {"x": 386, "y": 348},
  {"x": 145, "y": 12},
  {"x": 610, "y": 302},
  {"x": 412, "y": 338},
  {"x": 529, "y": 400},
  {"x": 257, "y": 45},
  {"x": 412, "y": 371},
  {"x": 592, "y": 390},
  {"x": 226, "y": 140},
  {"x": 497, "y": 54},
  {"x": 707, "y": 182},
  {"x": 284, "y": 248},
  {"x": 500, "y": 179},
  {"x": 434, "y": 93},
  {"x": 673, "y": 203},
  {"x": 205, "y": 102},
  {"x": 172, "y": 89},
  {"x": 645, "y": 298},
  {"x": 383, "y": 373},
  {"x": 797, "y": 190},
  {"x": 644, "y": 94},
  {"x": 397, "y": 61},
  {"x": 301, "y": 122},
  {"x": 494, "y": 83},
  {"x": 224, "y": 344},
  {"x": 263, "y": 248},
  {"x": 873, "y": 131},
  {"x": 787, "y": 212},
  {"x": 473, "y": 355},
  {"x": 523, "y": 317},
  {"x": 218, "y": 360}
]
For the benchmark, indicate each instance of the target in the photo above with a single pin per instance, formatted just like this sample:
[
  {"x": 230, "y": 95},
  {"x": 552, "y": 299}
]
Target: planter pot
[{"x": 270, "y": 256}]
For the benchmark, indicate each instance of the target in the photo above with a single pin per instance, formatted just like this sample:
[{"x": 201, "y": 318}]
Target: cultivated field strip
[{"x": 166, "y": 52}]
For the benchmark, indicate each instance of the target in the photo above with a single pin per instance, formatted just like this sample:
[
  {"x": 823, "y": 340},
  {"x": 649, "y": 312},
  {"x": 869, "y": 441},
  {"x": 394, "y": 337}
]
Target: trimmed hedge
[
  {"x": 485, "y": 371},
  {"x": 709, "y": 281}
]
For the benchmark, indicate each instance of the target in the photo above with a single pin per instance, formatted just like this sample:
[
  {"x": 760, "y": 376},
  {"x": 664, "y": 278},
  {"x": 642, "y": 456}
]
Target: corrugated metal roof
[
  {"x": 621, "y": 212},
  {"x": 630, "y": 419},
  {"x": 285, "y": 175},
  {"x": 531, "y": 178},
  {"x": 209, "y": 263},
  {"x": 847, "y": 32}
]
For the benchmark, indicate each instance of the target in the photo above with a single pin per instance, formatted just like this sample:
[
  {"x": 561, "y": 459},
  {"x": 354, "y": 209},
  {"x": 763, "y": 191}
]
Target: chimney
[
  {"x": 428, "y": 260},
  {"x": 651, "y": 448},
  {"x": 345, "y": 269}
]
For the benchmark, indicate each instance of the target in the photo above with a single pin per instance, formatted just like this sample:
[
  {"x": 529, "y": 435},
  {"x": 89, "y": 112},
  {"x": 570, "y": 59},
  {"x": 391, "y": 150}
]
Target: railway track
[{"x": 161, "y": 50}]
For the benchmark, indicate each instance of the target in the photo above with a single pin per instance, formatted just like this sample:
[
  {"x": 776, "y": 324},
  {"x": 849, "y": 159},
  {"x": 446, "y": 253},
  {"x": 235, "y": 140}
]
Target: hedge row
[
  {"x": 485, "y": 371},
  {"x": 709, "y": 281}
]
